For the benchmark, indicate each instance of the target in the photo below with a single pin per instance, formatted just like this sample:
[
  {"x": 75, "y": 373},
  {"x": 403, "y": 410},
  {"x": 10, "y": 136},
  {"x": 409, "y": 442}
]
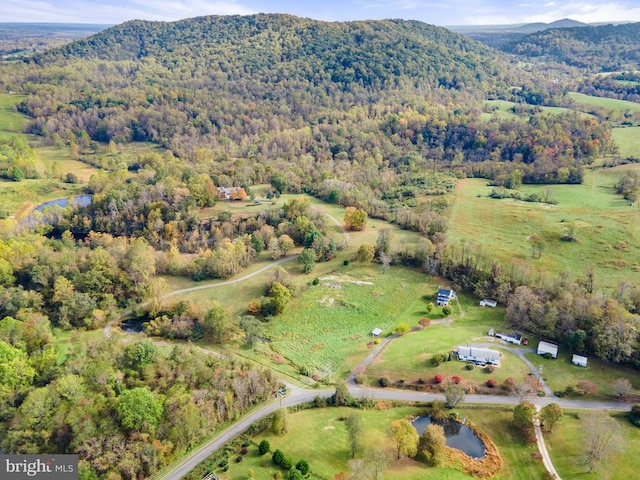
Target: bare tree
[
  {"x": 385, "y": 260},
  {"x": 521, "y": 390},
  {"x": 602, "y": 438},
  {"x": 622, "y": 387},
  {"x": 454, "y": 395}
]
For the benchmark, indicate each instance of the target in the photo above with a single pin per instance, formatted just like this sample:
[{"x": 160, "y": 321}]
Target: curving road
[{"x": 298, "y": 395}]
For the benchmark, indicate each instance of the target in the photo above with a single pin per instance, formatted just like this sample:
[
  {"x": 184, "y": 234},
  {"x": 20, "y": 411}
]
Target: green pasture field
[
  {"x": 604, "y": 223},
  {"x": 320, "y": 437},
  {"x": 560, "y": 373},
  {"x": 602, "y": 102},
  {"x": 565, "y": 444},
  {"x": 11, "y": 123},
  {"x": 504, "y": 110},
  {"x": 628, "y": 141}
]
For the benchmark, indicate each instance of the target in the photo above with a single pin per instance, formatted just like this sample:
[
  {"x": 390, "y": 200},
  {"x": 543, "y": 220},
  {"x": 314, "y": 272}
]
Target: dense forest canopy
[{"x": 606, "y": 48}]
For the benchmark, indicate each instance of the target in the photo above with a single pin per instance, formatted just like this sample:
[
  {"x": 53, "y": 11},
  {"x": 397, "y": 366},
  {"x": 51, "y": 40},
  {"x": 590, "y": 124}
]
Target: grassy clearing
[
  {"x": 320, "y": 437},
  {"x": 332, "y": 320},
  {"x": 19, "y": 198},
  {"x": 504, "y": 110},
  {"x": 561, "y": 373},
  {"x": 628, "y": 141},
  {"x": 11, "y": 123},
  {"x": 565, "y": 447},
  {"x": 607, "y": 228},
  {"x": 602, "y": 102}
]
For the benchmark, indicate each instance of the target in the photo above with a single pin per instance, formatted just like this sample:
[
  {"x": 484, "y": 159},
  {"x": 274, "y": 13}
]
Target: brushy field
[
  {"x": 604, "y": 223},
  {"x": 561, "y": 373},
  {"x": 320, "y": 437},
  {"x": 332, "y": 320},
  {"x": 565, "y": 445}
]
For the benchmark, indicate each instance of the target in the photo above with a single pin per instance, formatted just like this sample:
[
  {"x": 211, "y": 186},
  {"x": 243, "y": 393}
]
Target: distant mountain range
[{"x": 516, "y": 27}]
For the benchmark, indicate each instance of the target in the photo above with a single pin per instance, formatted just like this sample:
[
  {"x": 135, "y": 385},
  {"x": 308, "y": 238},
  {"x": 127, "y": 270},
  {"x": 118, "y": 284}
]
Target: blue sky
[{"x": 438, "y": 12}]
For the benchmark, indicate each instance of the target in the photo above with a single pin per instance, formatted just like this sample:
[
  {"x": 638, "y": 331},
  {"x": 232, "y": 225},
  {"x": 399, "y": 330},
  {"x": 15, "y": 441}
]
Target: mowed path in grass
[{"x": 604, "y": 223}]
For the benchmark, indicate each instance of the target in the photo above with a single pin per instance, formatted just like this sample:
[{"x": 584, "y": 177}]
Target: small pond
[
  {"x": 458, "y": 435},
  {"x": 133, "y": 325},
  {"x": 79, "y": 200}
]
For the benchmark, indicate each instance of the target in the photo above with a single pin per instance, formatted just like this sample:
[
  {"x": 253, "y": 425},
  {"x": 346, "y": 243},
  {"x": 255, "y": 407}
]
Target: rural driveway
[{"x": 301, "y": 395}]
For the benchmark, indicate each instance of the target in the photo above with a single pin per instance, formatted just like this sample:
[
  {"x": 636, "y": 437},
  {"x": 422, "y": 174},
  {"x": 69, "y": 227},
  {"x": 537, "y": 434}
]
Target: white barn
[
  {"x": 550, "y": 348},
  {"x": 376, "y": 332},
  {"x": 479, "y": 356},
  {"x": 579, "y": 360}
]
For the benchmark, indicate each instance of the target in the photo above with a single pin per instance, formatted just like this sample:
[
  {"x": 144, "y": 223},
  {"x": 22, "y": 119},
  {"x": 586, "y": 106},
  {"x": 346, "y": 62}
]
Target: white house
[
  {"x": 510, "y": 337},
  {"x": 479, "y": 356},
  {"x": 545, "y": 347},
  {"x": 376, "y": 332},
  {"x": 445, "y": 296},
  {"x": 579, "y": 360},
  {"x": 486, "y": 302}
]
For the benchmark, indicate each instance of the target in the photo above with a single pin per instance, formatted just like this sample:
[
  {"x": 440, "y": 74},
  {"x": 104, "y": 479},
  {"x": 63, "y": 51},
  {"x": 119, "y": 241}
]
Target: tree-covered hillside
[{"x": 601, "y": 48}]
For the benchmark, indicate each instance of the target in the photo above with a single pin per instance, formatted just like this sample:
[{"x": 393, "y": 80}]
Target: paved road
[{"x": 299, "y": 395}]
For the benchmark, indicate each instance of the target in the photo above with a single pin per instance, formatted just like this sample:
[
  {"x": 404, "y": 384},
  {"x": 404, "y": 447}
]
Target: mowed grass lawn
[
  {"x": 561, "y": 373},
  {"x": 409, "y": 356},
  {"x": 604, "y": 223},
  {"x": 320, "y": 437},
  {"x": 565, "y": 445}
]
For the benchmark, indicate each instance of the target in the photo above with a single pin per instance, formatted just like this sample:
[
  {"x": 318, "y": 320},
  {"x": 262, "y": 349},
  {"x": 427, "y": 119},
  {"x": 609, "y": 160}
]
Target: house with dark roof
[{"x": 445, "y": 296}]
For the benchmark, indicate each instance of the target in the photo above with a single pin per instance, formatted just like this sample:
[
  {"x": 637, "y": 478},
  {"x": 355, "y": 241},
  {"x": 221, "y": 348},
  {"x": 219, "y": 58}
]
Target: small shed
[
  {"x": 486, "y": 302},
  {"x": 479, "y": 356},
  {"x": 376, "y": 332},
  {"x": 579, "y": 360},
  {"x": 550, "y": 348}
]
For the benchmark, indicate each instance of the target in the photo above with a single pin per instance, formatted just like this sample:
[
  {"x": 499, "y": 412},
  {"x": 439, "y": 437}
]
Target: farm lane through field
[
  {"x": 124, "y": 315},
  {"x": 542, "y": 447}
]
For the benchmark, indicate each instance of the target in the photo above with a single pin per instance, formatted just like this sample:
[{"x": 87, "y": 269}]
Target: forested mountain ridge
[
  {"x": 362, "y": 51},
  {"x": 376, "y": 104},
  {"x": 602, "y": 48}
]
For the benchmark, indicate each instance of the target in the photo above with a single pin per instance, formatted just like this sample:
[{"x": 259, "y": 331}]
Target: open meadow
[
  {"x": 604, "y": 224},
  {"x": 320, "y": 437},
  {"x": 588, "y": 101}
]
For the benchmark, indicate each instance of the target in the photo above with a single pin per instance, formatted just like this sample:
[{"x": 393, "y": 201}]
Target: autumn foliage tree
[
  {"x": 404, "y": 437},
  {"x": 355, "y": 219}
]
